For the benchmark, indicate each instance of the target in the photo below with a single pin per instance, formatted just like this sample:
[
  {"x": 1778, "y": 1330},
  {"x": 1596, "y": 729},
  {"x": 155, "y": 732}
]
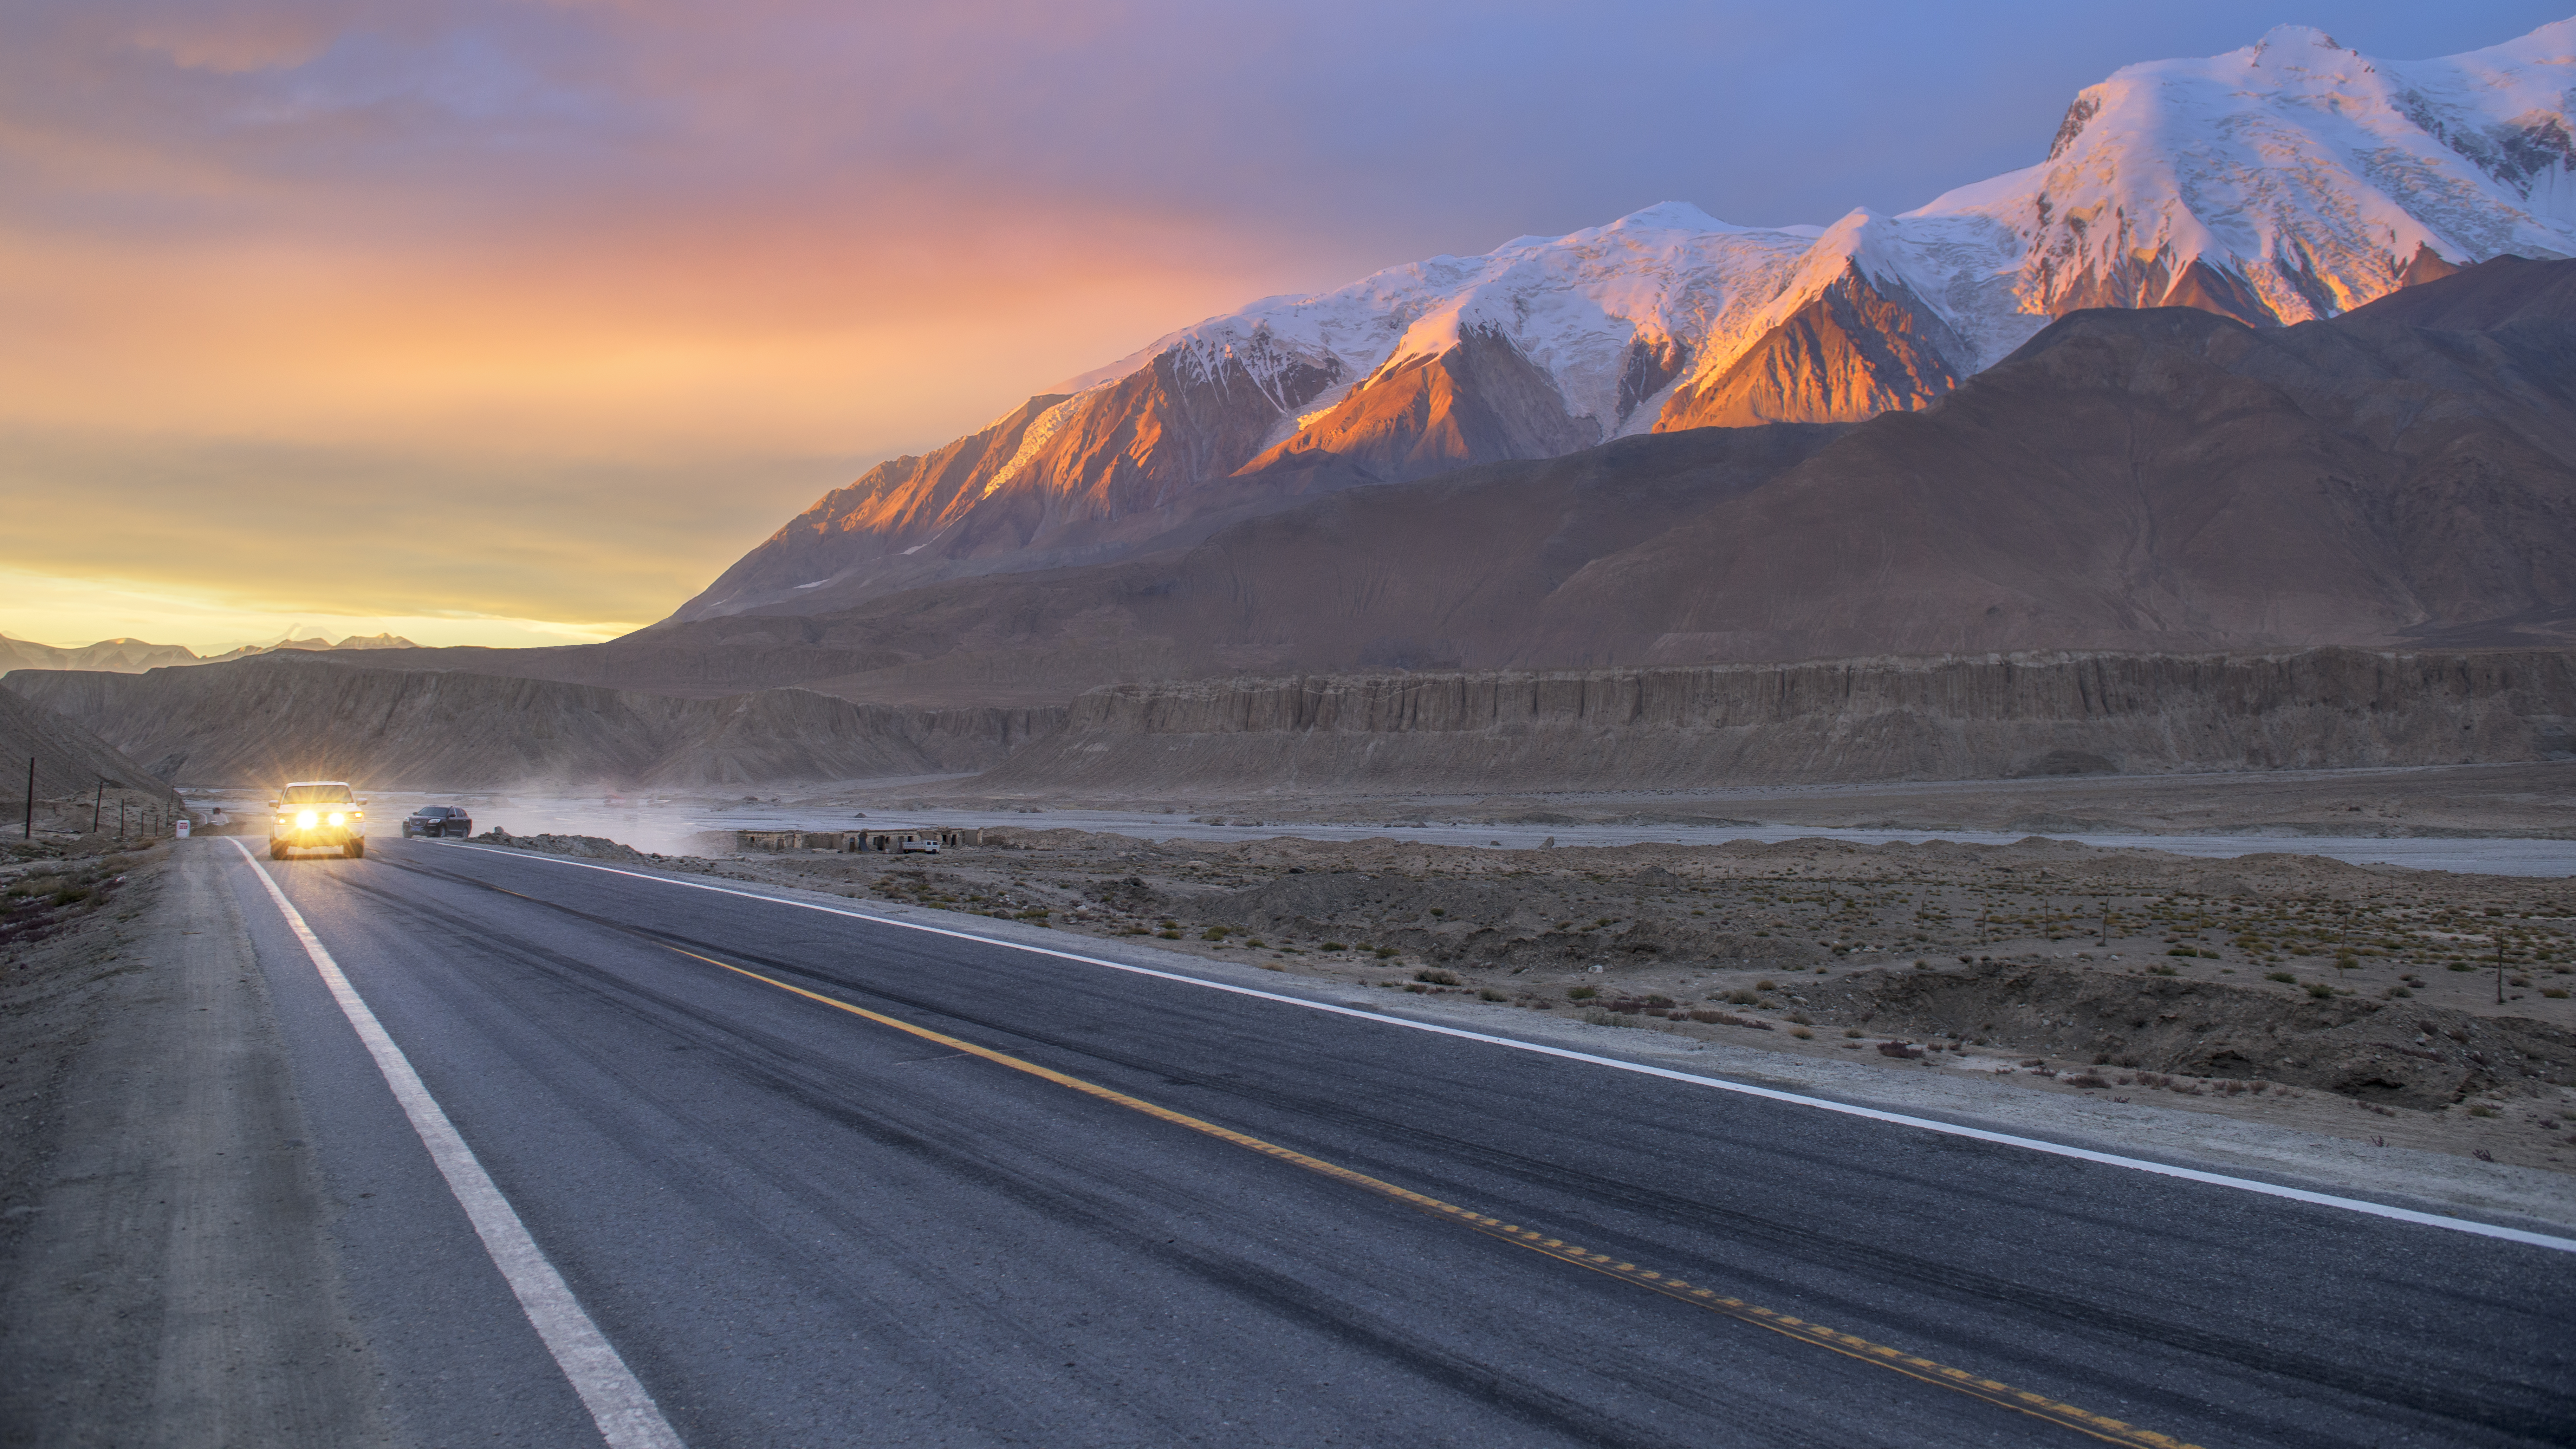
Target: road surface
[{"x": 820, "y": 1179}]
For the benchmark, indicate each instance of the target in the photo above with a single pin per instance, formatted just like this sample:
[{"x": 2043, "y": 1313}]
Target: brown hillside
[
  {"x": 2154, "y": 480},
  {"x": 1862, "y": 719},
  {"x": 261, "y": 721}
]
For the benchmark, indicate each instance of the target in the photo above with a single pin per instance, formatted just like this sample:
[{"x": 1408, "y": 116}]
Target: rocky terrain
[
  {"x": 1336, "y": 737},
  {"x": 2419, "y": 1009},
  {"x": 262, "y": 721},
  {"x": 1834, "y": 721},
  {"x": 71, "y": 760}
]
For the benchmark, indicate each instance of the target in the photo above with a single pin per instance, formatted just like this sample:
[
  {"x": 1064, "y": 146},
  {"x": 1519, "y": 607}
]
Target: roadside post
[
  {"x": 94, "y": 802},
  {"x": 31, "y": 797}
]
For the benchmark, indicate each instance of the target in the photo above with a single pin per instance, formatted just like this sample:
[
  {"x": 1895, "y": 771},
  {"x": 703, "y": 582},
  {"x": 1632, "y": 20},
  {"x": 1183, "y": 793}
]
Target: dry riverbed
[{"x": 2293, "y": 990}]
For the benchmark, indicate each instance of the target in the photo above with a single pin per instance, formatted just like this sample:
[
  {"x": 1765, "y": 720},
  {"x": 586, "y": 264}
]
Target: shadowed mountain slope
[
  {"x": 1452, "y": 570},
  {"x": 1845, "y": 719},
  {"x": 2166, "y": 480},
  {"x": 260, "y": 722},
  {"x": 70, "y": 759}
]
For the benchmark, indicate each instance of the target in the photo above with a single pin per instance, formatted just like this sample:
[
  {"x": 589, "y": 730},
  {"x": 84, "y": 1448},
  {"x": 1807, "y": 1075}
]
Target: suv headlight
[
  {"x": 339, "y": 819},
  {"x": 307, "y": 819}
]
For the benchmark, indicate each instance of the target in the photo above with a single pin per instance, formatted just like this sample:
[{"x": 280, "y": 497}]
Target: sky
[{"x": 515, "y": 323}]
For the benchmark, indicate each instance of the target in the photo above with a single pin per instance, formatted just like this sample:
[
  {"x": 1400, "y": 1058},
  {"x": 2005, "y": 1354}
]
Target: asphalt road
[{"x": 797, "y": 1224}]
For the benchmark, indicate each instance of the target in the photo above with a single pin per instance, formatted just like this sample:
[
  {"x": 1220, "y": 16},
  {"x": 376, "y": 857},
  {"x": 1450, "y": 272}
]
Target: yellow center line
[{"x": 2038, "y": 1406}]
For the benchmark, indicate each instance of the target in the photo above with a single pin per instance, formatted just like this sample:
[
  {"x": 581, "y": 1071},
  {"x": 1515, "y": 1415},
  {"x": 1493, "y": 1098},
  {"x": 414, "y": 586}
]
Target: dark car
[{"x": 438, "y": 820}]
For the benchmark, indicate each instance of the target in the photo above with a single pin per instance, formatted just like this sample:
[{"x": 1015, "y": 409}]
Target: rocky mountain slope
[
  {"x": 1841, "y": 720},
  {"x": 2164, "y": 479},
  {"x": 262, "y": 721},
  {"x": 70, "y": 759},
  {"x": 2285, "y": 182}
]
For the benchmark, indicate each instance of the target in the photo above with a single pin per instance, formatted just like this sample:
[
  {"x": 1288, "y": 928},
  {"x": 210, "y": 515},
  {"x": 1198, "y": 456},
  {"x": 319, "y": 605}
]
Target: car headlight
[
  {"x": 308, "y": 819},
  {"x": 339, "y": 819}
]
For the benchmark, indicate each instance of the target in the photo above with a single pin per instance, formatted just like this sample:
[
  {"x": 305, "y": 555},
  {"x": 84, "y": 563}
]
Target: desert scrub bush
[
  {"x": 2554, "y": 993},
  {"x": 1490, "y": 994},
  {"x": 1386, "y": 953},
  {"x": 2319, "y": 990},
  {"x": 1802, "y": 1034},
  {"x": 1216, "y": 933},
  {"x": 1167, "y": 935},
  {"x": 2284, "y": 977},
  {"x": 2400, "y": 993},
  {"x": 1436, "y": 976},
  {"x": 2162, "y": 970},
  {"x": 2482, "y": 1110},
  {"x": 1582, "y": 993},
  {"x": 1855, "y": 1033},
  {"x": 1332, "y": 946}
]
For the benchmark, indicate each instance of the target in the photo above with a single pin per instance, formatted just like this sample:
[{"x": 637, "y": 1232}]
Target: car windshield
[
  {"x": 434, "y": 812},
  {"x": 315, "y": 795}
]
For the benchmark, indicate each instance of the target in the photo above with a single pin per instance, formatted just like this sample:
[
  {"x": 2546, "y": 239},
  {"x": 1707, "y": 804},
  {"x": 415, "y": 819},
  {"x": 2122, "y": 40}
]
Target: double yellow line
[{"x": 2038, "y": 1406}]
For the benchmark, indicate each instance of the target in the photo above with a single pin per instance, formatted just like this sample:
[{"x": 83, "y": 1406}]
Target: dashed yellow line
[{"x": 2038, "y": 1406}]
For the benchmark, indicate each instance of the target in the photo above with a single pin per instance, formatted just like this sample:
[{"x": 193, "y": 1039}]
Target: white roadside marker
[{"x": 626, "y": 1415}]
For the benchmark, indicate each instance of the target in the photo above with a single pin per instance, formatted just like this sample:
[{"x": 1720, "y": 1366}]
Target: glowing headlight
[
  {"x": 339, "y": 819},
  {"x": 308, "y": 819}
]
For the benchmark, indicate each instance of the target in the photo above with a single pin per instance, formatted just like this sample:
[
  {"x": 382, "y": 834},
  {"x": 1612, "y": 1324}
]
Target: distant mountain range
[
  {"x": 2287, "y": 182},
  {"x": 2159, "y": 479},
  {"x": 134, "y": 656}
]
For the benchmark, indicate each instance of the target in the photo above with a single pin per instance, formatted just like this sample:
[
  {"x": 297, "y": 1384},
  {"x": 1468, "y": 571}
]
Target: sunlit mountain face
[{"x": 2285, "y": 182}]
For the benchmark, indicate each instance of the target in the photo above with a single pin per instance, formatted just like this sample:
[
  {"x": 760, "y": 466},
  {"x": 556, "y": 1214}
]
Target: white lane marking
[
  {"x": 1947, "y": 1129},
  {"x": 626, "y": 1415}
]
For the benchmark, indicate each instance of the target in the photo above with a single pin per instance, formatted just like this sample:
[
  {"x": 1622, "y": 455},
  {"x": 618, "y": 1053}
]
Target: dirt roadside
[
  {"x": 2281, "y": 991},
  {"x": 1105, "y": 895},
  {"x": 166, "y": 1272}
]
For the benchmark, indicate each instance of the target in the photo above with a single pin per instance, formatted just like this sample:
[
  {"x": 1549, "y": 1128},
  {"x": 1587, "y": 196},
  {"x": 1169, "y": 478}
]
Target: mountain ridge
[{"x": 2288, "y": 181}]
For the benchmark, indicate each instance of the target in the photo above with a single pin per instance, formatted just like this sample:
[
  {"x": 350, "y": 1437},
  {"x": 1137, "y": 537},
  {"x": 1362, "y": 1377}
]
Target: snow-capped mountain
[{"x": 2282, "y": 183}]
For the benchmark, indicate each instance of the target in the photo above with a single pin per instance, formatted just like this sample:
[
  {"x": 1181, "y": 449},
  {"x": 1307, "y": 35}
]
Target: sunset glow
[{"x": 517, "y": 323}]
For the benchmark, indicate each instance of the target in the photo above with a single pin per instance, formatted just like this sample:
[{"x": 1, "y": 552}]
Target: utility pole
[
  {"x": 31, "y": 797},
  {"x": 95, "y": 801},
  {"x": 2106, "y": 921},
  {"x": 2499, "y": 945}
]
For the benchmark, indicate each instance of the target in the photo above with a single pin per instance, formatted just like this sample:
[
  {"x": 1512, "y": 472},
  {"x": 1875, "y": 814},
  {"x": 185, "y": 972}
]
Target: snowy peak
[{"x": 2288, "y": 181}]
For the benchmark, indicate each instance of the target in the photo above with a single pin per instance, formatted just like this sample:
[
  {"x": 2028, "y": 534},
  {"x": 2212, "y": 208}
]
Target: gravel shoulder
[{"x": 167, "y": 1274}]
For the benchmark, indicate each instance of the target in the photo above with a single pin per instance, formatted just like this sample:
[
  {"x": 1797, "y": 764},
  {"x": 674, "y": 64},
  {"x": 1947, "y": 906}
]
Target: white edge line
[
  {"x": 625, "y": 1413},
  {"x": 1950, "y": 1129}
]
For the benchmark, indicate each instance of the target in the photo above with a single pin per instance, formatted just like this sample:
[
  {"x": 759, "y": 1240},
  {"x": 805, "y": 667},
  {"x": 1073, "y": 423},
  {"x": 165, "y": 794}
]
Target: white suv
[{"x": 317, "y": 815}]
